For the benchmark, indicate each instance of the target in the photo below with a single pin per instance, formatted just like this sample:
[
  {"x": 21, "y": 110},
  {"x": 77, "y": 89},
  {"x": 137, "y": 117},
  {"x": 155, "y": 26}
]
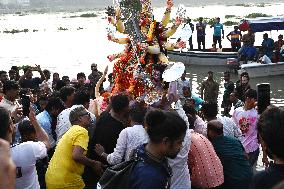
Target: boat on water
[
  {"x": 203, "y": 58},
  {"x": 260, "y": 25},
  {"x": 262, "y": 70}
]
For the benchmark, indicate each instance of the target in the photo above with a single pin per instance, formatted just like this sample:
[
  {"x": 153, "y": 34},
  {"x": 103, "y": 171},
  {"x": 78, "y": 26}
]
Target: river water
[
  {"x": 72, "y": 51},
  {"x": 85, "y": 42}
]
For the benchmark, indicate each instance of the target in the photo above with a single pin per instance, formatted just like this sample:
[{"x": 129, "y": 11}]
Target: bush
[
  {"x": 256, "y": 15},
  {"x": 88, "y": 15},
  {"x": 230, "y": 23},
  {"x": 230, "y": 16}
]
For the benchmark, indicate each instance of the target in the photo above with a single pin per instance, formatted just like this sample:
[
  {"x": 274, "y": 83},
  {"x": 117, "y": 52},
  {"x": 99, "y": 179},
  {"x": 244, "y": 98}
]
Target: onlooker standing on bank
[
  {"x": 218, "y": 29},
  {"x": 200, "y": 28}
]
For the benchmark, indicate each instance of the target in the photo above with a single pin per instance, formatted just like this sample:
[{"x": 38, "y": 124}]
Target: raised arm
[
  {"x": 41, "y": 135},
  {"x": 42, "y": 76},
  {"x": 97, "y": 89},
  {"x": 167, "y": 14},
  {"x": 174, "y": 27}
]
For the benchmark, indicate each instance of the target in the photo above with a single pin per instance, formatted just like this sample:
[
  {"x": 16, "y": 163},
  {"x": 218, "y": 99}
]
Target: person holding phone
[{"x": 28, "y": 81}]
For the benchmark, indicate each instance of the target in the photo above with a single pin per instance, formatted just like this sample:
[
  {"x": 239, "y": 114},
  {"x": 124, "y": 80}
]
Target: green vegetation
[
  {"x": 242, "y": 5},
  {"x": 85, "y": 15},
  {"x": 261, "y": 5},
  {"x": 256, "y": 15},
  {"x": 230, "y": 16},
  {"x": 209, "y": 21},
  {"x": 62, "y": 29},
  {"x": 88, "y": 15},
  {"x": 13, "y": 31},
  {"x": 230, "y": 23}
]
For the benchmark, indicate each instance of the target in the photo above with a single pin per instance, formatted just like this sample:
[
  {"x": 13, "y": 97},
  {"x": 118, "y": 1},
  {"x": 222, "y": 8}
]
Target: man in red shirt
[{"x": 277, "y": 46}]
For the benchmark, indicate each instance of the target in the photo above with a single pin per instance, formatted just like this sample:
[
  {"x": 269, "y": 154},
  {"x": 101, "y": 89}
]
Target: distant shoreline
[{"x": 101, "y": 7}]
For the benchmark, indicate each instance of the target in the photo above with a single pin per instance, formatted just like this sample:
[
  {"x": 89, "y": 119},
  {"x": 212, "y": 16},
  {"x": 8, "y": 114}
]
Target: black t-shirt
[
  {"x": 269, "y": 178},
  {"x": 106, "y": 133},
  {"x": 31, "y": 83}
]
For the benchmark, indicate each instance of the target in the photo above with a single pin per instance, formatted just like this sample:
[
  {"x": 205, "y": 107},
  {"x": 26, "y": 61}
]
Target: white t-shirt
[
  {"x": 246, "y": 120},
  {"x": 129, "y": 139},
  {"x": 63, "y": 122},
  {"x": 265, "y": 60},
  {"x": 25, "y": 156}
]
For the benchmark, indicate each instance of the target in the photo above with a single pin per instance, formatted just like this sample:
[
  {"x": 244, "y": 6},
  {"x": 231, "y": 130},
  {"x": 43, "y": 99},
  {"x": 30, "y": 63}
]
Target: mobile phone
[{"x": 26, "y": 104}]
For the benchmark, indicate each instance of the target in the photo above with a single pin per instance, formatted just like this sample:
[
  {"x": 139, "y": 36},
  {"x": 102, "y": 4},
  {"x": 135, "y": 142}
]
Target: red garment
[
  {"x": 278, "y": 44},
  {"x": 1, "y": 97},
  {"x": 205, "y": 166}
]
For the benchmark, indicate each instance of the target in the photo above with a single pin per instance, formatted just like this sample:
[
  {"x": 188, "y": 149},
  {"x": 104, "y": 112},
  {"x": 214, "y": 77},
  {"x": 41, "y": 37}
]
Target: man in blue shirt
[
  {"x": 166, "y": 132},
  {"x": 267, "y": 45},
  {"x": 47, "y": 120},
  {"x": 218, "y": 27}
]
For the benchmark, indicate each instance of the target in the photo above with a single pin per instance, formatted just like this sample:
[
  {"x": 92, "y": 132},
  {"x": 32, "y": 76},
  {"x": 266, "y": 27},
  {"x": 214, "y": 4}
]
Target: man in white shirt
[
  {"x": 26, "y": 153},
  {"x": 230, "y": 129},
  {"x": 63, "y": 122},
  {"x": 182, "y": 82},
  {"x": 9, "y": 102},
  {"x": 129, "y": 138}
]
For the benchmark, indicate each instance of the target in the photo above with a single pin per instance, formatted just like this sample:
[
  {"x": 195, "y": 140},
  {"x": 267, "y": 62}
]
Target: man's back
[
  {"x": 237, "y": 170},
  {"x": 269, "y": 178},
  {"x": 107, "y": 132},
  {"x": 63, "y": 171},
  {"x": 206, "y": 169},
  {"x": 31, "y": 83},
  {"x": 25, "y": 156}
]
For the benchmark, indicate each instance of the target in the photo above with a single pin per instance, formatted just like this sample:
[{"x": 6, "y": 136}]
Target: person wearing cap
[
  {"x": 277, "y": 46},
  {"x": 218, "y": 28},
  {"x": 95, "y": 75},
  {"x": 210, "y": 89}
]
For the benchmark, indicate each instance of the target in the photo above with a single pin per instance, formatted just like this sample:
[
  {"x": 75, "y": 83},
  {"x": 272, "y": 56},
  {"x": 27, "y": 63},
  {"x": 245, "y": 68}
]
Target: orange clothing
[{"x": 206, "y": 170}]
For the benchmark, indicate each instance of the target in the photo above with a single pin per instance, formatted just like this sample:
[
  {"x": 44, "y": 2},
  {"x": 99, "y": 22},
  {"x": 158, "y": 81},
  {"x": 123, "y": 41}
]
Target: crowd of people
[
  {"x": 270, "y": 51},
  {"x": 66, "y": 134}
]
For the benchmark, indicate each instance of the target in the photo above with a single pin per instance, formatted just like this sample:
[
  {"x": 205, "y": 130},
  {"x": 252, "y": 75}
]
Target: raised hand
[{"x": 170, "y": 4}]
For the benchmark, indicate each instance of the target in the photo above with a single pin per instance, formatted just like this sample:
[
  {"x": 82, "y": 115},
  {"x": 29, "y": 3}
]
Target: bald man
[{"x": 237, "y": 170}]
